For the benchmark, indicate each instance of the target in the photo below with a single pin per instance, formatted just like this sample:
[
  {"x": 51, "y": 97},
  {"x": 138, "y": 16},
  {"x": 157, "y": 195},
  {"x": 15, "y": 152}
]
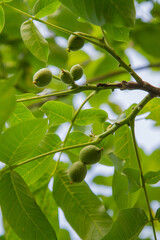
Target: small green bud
[
  {"x": 76, "y": 72},
  {"x": 77, "y": 172},
  {"x": 42, "y": 78},
  {"x": 66, "y": 77},
  {"x": 75, "y": 43},
  {"x": 90, "y": 154}
]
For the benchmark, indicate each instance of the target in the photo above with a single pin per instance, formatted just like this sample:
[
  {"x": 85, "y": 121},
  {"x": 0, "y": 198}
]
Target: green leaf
[
  {"x": 34, "y": 170},
  {"x": 101, "y": 180},
  {"x": 45, "y": 179},
  {"x": 133, "y": 179},
  {"x": 2, "y": 19},
  {"x": 43, "y": 8},
  {"x": 146, "y": 35},
  {"x": 117, "y": 162},
  {"x": 118, "y": 12},
  {"x": 34, "y": 41},
  {"x": 122, "y": 197},
  {"x": 128, "y": 225},
  {"x": 152, "y": 177},
  {"x": 117, "y": 33},
  {"x": 48, "y": 205},
  {"x": 7, "y": 100},
  {"x": 57, "y": 112},
  {"x": 158, "y": 214},
  {"x": 82, "y": 208},
  {"x": 63, "y": 234},
  {"x": 124, "y": 147},
  {"x": 19, "y": 141},
  {"x": 20, "y": 114},
  {"x": 89, "y": 116},
  {"x": 153, "y": 107},
  {"x": 21, "y": 210}
]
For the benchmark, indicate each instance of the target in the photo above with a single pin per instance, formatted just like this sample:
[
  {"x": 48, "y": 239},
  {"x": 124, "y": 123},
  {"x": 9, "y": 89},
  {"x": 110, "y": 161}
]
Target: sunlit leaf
[
  {"x": 34, "y": 41},
  {"x": 80, "y": 205},
  {"x": 21, "y": 210},
  {"x": 48, "y": 206},
  {"x": 34, "y": 170},
  {"x": 124, "y": 148},
  {"x": 152, "y": 177},
  {"x": 7, "y": 100},
  {"x": 128, "y": 225},
  {"x": 19, "y": 141},
  {"x": 57, "y": 112},
  {"x": 44, "y": 8},
  {"x": 20, "y": 114}
]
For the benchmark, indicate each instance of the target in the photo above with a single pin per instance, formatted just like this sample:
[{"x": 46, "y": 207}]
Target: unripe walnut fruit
[
  {"x": 90, "y": 154},
  {"x": 77, "y": 172},
  {"x": 66, "y": 77},
  {"x": 76, "y": 72},
  {"x": 42, "y": 78},
  {"x": 75, "y": 43}
]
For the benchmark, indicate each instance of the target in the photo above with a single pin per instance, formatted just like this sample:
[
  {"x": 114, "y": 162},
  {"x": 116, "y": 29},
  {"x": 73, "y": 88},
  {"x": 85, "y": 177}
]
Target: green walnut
[
  {"x": 90, "y": 154},
  {"x": 77, "y": 172},
  {"x": 76, "y": 72},
  {"x": 66, "y": 77},
  {"x": 75, "y": 43},
  {"x": 42, "y": 78}
]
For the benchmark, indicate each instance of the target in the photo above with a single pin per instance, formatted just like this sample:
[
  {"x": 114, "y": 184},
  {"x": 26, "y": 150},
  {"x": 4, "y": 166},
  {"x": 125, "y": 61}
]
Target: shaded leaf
[
  {"x": 158, "y": 214},
  {"x": 117, "y": 33},
  {"x": 34, "y": 41},
  {"x": 48, "y": 206},
  {"x": 122, "y": 197},
  {"x": 128, "y": 225},
  {"x": 43, "y": 8},
  {"x": 19, "y": 141},
  {"x": 2, "y": 19},
  {"x": 89, "y": 116},
  {"x": 118, "y": 12},
  {"x": 58, "y": 112},
  {"x": 21, "y": 211},
  {"x": 80, "y": 205},
  {"x": 117, "y": 162},
  {"x": 7, "y": 100},
  {"x": 152, "y": 177},
  {"x": 133, "y": 179}
]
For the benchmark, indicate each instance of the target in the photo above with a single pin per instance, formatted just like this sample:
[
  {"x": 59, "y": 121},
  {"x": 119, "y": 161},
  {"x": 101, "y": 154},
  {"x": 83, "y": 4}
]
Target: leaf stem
[
  {"x": 142, "y": 177},
  {"x": 128, "y": 119},
  {"x": 70, "y": 127}
]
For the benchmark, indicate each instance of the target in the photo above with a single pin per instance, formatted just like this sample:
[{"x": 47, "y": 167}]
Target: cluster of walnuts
[
  {"x": 88, "y": 155},
  {"x": 44, "y": 76}
]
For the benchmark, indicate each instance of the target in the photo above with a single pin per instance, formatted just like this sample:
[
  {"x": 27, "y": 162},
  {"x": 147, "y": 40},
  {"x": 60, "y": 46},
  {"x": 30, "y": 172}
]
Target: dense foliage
[{"x": 36, "y": 107}]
